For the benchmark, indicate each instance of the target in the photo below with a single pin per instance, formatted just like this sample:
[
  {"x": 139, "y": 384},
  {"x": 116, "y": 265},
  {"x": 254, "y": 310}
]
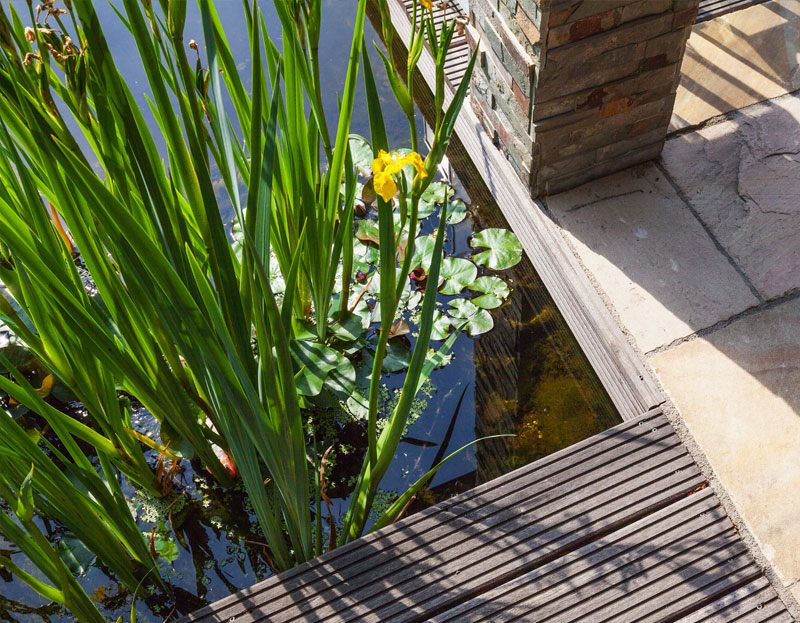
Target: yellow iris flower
[
  {"x": 386, "y": 165},
  {"x": 428, "y": 4}
]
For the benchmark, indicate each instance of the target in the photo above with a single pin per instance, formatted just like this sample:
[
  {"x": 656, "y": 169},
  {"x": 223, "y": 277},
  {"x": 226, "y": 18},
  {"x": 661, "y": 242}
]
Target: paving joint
[
  {"x": 750, "y": 311},
  {"x": 753, "y": 290}
]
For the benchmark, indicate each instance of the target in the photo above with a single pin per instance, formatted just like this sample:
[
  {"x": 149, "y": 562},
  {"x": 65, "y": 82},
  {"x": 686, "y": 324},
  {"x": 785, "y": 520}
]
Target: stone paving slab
[
  {"x": 737, "y": 60},
  {"x": 738, "y": 391},
  {"x": 651, "y": 256},
  {"x": 742, "y": 176}
]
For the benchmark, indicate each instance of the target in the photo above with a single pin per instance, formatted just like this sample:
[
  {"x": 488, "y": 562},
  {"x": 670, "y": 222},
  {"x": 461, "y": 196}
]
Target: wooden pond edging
[
  {"x": 619, "y": 527},
  {"x": 628, "y": 383}
]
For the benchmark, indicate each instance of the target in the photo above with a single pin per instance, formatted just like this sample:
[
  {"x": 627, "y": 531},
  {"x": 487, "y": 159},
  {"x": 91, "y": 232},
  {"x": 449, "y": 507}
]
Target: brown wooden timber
[
  {"x": 619, "y": 527},
  {"x": 710, "y": 9}
]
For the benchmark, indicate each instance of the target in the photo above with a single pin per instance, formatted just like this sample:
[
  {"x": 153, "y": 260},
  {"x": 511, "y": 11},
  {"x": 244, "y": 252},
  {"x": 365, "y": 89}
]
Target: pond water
[{"x": 527, "y": 377}]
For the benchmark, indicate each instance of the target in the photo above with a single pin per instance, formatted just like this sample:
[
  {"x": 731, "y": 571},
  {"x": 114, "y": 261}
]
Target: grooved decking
[
  {"x": 458, "y": 55},
  {"x": 455, "y": 65},
  {"x": 709, "y": 9},
  {"x": 619, "y": 527}
]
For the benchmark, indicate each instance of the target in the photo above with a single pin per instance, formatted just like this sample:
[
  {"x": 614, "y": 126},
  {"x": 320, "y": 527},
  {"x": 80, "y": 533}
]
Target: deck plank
[
  {"x": 619, "y": 527},
  {"x": 647, "y": 571},
  {"x": 484, "y": 537}
]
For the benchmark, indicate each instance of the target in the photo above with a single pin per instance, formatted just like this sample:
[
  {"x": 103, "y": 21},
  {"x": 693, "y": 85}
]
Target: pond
[{"x": 526, "y": 377}]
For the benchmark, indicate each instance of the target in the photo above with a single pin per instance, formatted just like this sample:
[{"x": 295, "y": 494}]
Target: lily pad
[
  {"x": 423, "y": 252},
  {"x": 358, "y": 405},
  {"x": 502, "y": 248},
  {"x": 342, "y": 379},
  {"x": 458, "y": 273},
  {"x": 434, "y": 194},
  {"x": 347, "y": 326},
  {"x": 398, "y": 356},
  {"x": 456, "y": 212},
  {"x": 489, "y": 284},
  {"x": 368, "y": 194},
  {"x": 478, "y": 320},
  {"x": 367, "y": 231},
  {"x": 441, "y": 326},
  {"x": 487, "y": 301},
  {"x": 362, "y": 154},
  {"x": 364, "y": 256},
  {"x": 315, "y": 361}
]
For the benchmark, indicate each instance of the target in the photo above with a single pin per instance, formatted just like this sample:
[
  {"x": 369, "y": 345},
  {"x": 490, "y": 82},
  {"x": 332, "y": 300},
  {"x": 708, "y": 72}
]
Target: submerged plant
[{"x": 178, "y": 318}]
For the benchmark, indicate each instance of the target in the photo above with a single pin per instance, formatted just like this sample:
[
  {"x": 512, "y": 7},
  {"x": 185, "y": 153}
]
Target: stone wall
[{"x": 576, "y": 89}]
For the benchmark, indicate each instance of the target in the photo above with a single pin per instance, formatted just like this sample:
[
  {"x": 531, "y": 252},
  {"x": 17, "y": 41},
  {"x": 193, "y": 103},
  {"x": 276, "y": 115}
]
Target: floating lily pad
[
  {"x": 456, "y": 211},
  {"x": 487, "y": 301},
  {"x": 478, "y": 320},
  {"x": 358, "y": 405},
  {"x": 458, "y": 273},
  {"x": 315, "y": 361},
  {"x": 364, "y": 256},
  {"x": 433, "y": 195},
  {"x": 368, "y": 194},
  {"x": 398, "y": 356},
  {"x": 441, "y": 326},
  {"x": 342, "y": 379},
  {"x": 489, "y": 284},
  {"x": 367, "y": 231},
  {"x": 362, "y": 154},
  {"x": 423, "y": 252},
  {"x": 347, "y": 326},
  {"x": 502, "y": 248}
]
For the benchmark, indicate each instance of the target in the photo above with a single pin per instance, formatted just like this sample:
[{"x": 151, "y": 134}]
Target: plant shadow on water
[{"x": 526, "y": 377}]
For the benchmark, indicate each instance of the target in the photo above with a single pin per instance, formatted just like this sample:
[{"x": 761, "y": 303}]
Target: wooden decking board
[
  {"x": 751, "y": 603},
  {"x": 597, "y": 532},
  {"x": 591, "y": 457},
  {"x": 710, "y": 9},
  {"x": 482, "y": 537},
  {"x": 561, "y": 580},
  {"x": 630, "y": 591}
]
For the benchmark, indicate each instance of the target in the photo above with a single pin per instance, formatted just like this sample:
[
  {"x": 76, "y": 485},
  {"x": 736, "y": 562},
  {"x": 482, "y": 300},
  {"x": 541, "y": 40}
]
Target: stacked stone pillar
[{"x": 572, "y": 90}]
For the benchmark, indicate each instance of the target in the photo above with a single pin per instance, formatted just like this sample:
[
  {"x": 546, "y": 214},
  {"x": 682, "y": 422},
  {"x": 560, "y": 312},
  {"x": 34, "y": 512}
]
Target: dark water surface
[{"x": 527, "y": 376}]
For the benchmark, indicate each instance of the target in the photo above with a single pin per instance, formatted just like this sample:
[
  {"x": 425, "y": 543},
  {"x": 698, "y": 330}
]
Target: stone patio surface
[
  {"x": 698, "y": 253},
  {"x": 739, "y": 59}
]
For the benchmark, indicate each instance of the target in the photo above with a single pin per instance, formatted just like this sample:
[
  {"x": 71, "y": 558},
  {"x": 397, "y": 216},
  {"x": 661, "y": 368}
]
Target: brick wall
[{"x": 576, "y": 89}]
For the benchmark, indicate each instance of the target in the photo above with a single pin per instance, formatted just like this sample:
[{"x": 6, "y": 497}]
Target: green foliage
[
  {"x": 224, "y": 344},
  {"x": 59, "y": 586},
  {"x": 502, "y": 248}
]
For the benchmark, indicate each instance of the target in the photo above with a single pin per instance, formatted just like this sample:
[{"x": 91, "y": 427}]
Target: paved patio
[{"x": 698, "y": 254}]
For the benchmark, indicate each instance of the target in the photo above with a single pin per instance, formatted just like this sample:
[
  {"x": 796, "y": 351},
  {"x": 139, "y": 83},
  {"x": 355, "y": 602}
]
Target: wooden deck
[
  {"x": 709, "y": 9},
  {"x": 620, "y": 527}
]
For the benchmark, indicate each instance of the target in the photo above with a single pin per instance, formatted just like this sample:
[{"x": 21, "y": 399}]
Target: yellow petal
[
  {"x": 383, "y": 160},
  {"x": 415, "y": 159},
  {"x": 384, "y": 186},
  {"x": 428, "y": 4}
]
